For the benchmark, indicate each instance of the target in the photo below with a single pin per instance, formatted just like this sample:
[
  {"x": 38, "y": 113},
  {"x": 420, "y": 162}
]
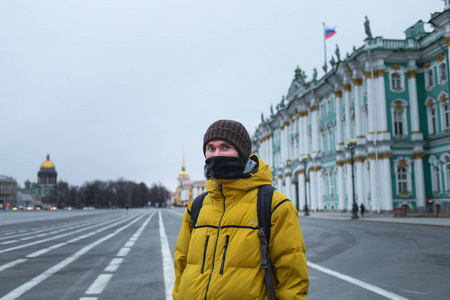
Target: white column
[
  {"x": 371, "y": 98},
  {"x": 304, "y": 135},
  {"x": 414, "y": 102},
  {"x": 381, "y": 102},
  {"x": 301, "y": 189},
  {"x": 357, "y": 92},
  {"x": 374, "y": 177},
  {"x": 288, "y": 185},
  {"x": 360, "y": 186},
  {"x": 419, "y": 179},
  {"x": 339, "y": 141},
  {"x": 270, "y": 159},
  {"x": 319, "y": 188},
  {"x": 349, "y": 181},
  {"x": 348, "y": 111},
  {"x": 341, "y": 185},
  {"x": 282, "y": 145},
  {"x": 313, "y": 187},
  {"x": 280, "y": 184},
  {"x": 387, "y": 182},
  {"x": 315, "y": 129}
]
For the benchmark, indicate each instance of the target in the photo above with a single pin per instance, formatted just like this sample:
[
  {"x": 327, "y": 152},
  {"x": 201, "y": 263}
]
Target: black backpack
[{"x": 263, "y": 207}]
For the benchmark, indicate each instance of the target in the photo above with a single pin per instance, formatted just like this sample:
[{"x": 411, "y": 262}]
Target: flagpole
[{"x": 324, "y": 44}]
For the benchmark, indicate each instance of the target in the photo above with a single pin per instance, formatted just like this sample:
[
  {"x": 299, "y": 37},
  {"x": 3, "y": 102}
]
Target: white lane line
[
  {"x": 9, "y": 242},
  {"x": 17, "y": 292},
  {"x": 99, "y": 284},
  {"x": 175, "y": 212},
  {"x": 123, "y": 252},
  {"x": 55, "y": 237},
  {"x": 169, "y": 273},
  {"x": 88, "y": 298},
  {"x": 130, "y": 244},
  {"x": 357, "y": 282},
  {"x": 12, "y": 264},
  {"x": 45, "y": 250},
  {"x": 114, "y": 265}
]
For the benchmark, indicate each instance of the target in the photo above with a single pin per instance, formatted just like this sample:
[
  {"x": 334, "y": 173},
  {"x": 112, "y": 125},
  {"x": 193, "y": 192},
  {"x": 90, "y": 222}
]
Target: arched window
[
  {"x": 331, "y": 185},
  {"x": 330, "y": 139},
  {"x": 402, "y": 180},
  {"x": 398, "y": 122},
  {"x": 445, "y": 110},
  {"x": 436, "y": 179},
  {"x": 429, "y": 79},
  {"x": 447, "y": 175},
  {"x": 443, "y": 72},
  {"x": 396, "y": 81}
]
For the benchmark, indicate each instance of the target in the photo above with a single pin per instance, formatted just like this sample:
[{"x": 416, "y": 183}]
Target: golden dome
[{"x": 48, "y": 164}]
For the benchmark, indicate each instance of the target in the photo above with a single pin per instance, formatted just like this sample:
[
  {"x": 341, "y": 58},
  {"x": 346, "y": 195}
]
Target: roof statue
[
  {"x": 367, "y": 29},
  {"x": 325, "y": 67},
  {"x": 314, "y": 78},
  {"x": 262, "y": 117},
  {"x": 282, "y": 102},
  {"x": 338, "y": 54},
  {"x": 332, "y": 62},
  {"x": 271, "y": 110}
]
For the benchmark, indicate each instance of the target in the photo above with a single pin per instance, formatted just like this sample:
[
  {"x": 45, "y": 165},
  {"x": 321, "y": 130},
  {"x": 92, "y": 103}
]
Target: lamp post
[
  {"x": 351, "y": 144},
  {"x": 305, "y": 158}
]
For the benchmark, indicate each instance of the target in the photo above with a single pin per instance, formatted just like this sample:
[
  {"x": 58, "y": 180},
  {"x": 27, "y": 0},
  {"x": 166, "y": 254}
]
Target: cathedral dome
[{"x": 48, "y": 164}]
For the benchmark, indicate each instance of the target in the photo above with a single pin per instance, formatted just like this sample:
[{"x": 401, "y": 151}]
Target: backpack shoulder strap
[
  {"x": 264, "y": 208},
  {"x": 195, "y": 208}
]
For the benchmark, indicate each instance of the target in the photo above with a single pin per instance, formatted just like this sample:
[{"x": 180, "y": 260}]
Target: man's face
[{"x": 220, "y": 148}]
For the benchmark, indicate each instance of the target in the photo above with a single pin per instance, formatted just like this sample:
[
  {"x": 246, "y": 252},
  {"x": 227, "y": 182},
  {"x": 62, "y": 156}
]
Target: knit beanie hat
[{"x": 231, "y": 131}]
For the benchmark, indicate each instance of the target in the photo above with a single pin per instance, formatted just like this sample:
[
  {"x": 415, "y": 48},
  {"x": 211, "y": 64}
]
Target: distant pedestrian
[{"x": 362, "y": 210}]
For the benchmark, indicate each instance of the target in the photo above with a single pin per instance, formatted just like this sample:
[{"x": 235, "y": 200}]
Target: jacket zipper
[
  {"x": 224, "y": 254},
  {"x": 204, "y": 254},
  {"x": 217, "y": 239}
]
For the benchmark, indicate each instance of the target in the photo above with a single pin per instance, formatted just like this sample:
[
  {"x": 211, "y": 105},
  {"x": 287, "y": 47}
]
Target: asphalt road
[{"x": 114, "y": 254}]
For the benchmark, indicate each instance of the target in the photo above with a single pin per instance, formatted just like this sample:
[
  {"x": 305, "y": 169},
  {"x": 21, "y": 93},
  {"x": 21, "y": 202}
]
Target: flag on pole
[{"x": 329, "y": 32}]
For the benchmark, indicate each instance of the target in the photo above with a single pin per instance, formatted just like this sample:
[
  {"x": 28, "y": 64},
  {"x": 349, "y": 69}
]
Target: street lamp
[
  {"x": 351, "y": 144},
  {"x": 305, "y": 158}
]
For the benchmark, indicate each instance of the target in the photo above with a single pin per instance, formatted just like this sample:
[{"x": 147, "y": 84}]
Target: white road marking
[
  {"x": 123, "y": 252},
  {"x": 169, "y": 272},
  {"x": 12, "y": 264},
  {"x": 45, "y": 250},
  {"x": 114, "y": 265},
  {"x": 9, "y": 242},
  {"x": 88, "y": 298},
  {"x": 357, "y": 282},
  {"x": 17, "y": 292},
  {"x": 129, "y": 244},
  {"x": 99, "y": 284},
  {"x": 175, "y": 212}
]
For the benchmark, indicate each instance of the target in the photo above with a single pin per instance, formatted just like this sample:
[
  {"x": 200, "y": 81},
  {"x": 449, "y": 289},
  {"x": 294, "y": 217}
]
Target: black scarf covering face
[{"x": 225, "y": 167}]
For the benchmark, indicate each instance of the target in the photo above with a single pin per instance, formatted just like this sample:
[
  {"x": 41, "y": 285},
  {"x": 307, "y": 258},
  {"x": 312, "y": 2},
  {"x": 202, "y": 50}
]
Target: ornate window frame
[
  {"x": 436, "y": 178},
  {"x": 429, "y": 79},
  {"x": 442, "y": 71},
  {"x": 331, "y": 186},
  {"x": 397, "y": 81},
  {"x": 330, "y": 143},
  {"x": 433, "y": 127},
  {"x": 403, "y": 164},
  {"x": 445, "y": 111},
  {"x": 445, "y": 161},
  {"x": 399, "y": 118}
]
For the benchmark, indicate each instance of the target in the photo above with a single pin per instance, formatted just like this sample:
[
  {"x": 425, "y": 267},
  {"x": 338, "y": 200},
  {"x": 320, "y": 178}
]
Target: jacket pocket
[
  {"x": 225, "y": 247},
  {"x": 204, "y": 254}
]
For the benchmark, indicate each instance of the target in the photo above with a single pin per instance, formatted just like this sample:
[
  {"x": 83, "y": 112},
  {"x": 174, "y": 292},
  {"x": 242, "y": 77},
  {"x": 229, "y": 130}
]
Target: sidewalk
[{"x": 382, "y": 217}]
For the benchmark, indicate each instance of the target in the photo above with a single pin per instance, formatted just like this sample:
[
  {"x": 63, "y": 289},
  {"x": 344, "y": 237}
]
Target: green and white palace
[{"x": 386, "y": 105}]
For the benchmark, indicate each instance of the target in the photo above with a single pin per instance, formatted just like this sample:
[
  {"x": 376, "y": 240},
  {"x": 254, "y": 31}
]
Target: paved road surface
[{"x": 112, "y": 254}]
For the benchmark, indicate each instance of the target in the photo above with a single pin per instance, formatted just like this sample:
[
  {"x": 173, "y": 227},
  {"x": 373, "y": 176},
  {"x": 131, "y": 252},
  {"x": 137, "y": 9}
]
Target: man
[{"x": 220, "y": 258}]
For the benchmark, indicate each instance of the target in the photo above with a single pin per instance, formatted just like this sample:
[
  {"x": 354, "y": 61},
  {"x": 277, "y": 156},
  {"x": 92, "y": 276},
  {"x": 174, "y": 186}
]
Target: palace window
[
  {"x": 322, "y": 140},
  {"x": 330, "y": 139},
  {"x": 399, "y": 118},
  {"x": 429, "y": 79},
  {"x": 331, "y": 185},
  {"x": 402, "y": 182},
  {"x": 443, "y": 75},
  {"x": 447, "y": 177},
  {"x": 445, "y": 111},
  {"x": 435, "y": 169},
  {"x": 396, "y": 82},
  {"x": 328, "y": 106},
  {"x": 321, "y": 109},
  {"x": 432, "y": 116},
  {"x": 403, "y": 176}
]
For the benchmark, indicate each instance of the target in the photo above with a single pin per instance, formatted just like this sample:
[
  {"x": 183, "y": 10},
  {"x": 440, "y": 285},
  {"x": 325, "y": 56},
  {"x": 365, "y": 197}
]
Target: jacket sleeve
[
  {"x": 181, "y": 250},
  {"x": 287, "y": 252}
]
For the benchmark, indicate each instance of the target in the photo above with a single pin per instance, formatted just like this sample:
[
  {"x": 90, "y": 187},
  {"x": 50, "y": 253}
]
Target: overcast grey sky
[{"x": 115, "y": 88}]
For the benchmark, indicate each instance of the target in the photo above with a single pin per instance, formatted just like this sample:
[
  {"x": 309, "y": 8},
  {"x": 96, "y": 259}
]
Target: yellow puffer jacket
[{"x": 221, "y": 257}]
